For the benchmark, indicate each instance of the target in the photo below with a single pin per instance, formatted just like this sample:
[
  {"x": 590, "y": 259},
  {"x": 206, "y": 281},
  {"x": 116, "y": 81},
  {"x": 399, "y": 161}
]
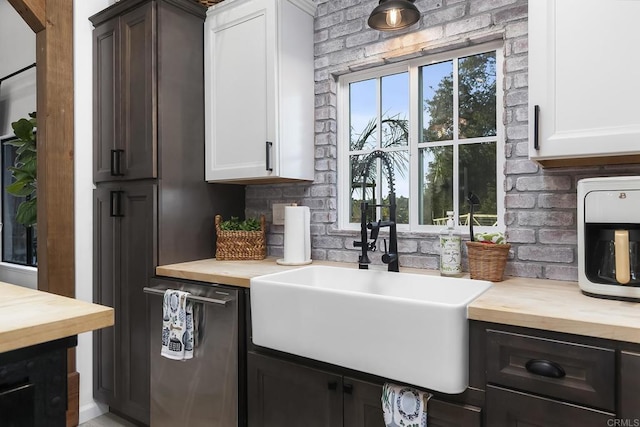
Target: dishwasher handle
[{"x": 195, "y": 298}]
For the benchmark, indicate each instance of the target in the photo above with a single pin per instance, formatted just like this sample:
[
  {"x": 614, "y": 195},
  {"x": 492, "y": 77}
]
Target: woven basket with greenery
[
  {"x": 240, "y": 244},
  {"x": 487, "y": 260}
]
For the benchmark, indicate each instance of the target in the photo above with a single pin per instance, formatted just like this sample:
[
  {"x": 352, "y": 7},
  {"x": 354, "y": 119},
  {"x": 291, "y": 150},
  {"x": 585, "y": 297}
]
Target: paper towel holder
[
  {"x": 281, "y": 261},
  {"x": 298, "y": 240}
]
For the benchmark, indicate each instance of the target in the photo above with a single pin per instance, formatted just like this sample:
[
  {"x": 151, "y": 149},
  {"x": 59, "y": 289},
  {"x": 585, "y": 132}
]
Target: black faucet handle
[
  {"x": 375, "y": 229},
  {"x": 388, "y": 258}
]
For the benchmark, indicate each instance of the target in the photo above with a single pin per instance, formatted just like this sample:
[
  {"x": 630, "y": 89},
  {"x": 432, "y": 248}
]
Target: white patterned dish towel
[
  {"x": 177, "y": 325},
  {"x": 404, "y": 406}
]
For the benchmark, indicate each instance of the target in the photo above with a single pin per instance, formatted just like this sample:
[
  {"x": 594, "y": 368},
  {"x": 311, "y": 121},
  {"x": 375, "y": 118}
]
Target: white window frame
[{"x": 412, "y": 67}]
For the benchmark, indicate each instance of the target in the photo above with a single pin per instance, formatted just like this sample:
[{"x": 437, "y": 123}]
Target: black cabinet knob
[
  {"x": 347, "y": 388},
  {"x": 332, "y": 385}
]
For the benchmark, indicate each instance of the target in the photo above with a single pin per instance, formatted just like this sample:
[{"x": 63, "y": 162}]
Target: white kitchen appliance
[{"x": 609, "y": 237}]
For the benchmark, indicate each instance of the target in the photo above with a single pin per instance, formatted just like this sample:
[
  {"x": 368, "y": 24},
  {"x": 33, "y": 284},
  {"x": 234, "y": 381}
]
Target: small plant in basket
[
  {"x": 490, "y": 238},
  {"x": 488, "y": 256},
  {"x": 240, "y": 240},
  {"x": 234, "y": 224}
]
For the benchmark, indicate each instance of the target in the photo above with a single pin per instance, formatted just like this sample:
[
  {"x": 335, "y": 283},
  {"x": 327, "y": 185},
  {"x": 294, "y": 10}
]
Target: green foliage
[
  {"x": 477, "y": 162},
  {"x": 234, "y": 224},
  {"x": 24, "y": 170}
]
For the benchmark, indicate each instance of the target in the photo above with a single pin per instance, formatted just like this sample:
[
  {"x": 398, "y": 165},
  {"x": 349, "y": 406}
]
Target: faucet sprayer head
[{"x": 386, "y": 160}]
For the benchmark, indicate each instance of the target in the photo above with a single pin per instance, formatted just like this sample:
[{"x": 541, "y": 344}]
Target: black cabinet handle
[
  {"x": 332, "y": 385},
  {"x": 536, "y": 122},
  {"x": 545, "y": 368},
  {"x": 115, "y": 206},
  {"x": 116, "y": 162},
  {"x": 268, "y": 146},
  {"x": 347, "y": 388}
]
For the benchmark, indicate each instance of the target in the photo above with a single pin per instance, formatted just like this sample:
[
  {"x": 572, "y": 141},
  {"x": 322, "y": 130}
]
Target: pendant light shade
[{"x": 392, "y": 15}]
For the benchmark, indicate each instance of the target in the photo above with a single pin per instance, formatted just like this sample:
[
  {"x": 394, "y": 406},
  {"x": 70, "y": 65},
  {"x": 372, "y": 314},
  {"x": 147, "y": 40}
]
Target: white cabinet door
[
  {"x": 583, "y": 68},
  {"x": 258, "y": 100},
  {"x": 240, "y": 91}
]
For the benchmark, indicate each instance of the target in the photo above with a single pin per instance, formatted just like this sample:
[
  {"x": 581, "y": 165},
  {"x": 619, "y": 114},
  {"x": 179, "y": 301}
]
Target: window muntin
[{"x": 453, "y": 138}]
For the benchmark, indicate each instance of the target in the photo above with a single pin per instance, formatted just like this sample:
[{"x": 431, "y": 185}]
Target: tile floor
[{"x": 107, "y": 420}]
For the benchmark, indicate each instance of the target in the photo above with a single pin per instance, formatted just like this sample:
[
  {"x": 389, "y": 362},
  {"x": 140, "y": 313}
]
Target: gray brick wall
[{"x": 540, "y": 203}]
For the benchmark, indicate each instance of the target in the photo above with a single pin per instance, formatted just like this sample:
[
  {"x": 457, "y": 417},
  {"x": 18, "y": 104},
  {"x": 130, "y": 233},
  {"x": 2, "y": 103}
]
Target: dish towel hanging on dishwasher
[
  {"x": 404, "y": 406},
  {"x": 177, "y": 325}
]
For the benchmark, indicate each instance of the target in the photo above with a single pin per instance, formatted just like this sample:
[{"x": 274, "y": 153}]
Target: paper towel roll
[{"x": 297, "y": 236}]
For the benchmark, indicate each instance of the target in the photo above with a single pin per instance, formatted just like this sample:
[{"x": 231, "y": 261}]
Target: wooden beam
[
  {"x": 54, "y": 45},
  {"x": 32, "y": 11},
  {"x": 56, "y": 254}
]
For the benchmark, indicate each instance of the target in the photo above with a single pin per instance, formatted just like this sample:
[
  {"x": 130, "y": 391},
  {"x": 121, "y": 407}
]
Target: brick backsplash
[{"x": 540, "y": 203}]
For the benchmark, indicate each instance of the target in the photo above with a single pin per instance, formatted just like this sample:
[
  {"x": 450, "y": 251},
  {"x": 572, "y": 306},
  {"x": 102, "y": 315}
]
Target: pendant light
[{"x": 392, "y": 15}]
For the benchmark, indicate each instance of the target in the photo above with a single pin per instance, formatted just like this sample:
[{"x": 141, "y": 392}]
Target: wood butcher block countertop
[
  {"x": 29, "y": 317},
  {"x": 533, "y": 303}
]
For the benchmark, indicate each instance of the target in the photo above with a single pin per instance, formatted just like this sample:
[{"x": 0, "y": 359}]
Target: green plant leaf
[
  {"x": 23, "y": 129},
  {"x": 26, "y": 149},
  {"x": 27, "y": 212},
  {"x": 234, "y": 224},
  {"x": 19, "y": 188},
  {"x": 19, "y": 174},
  {"x": 30, "y": 166}
]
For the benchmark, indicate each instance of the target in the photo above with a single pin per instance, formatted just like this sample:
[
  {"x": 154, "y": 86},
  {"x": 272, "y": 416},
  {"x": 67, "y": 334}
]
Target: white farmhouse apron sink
[{"x": 406, "y": 327}]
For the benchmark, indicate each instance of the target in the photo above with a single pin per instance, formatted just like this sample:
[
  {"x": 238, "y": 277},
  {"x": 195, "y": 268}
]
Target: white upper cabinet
[
  {"x": 259, "y": 91},
  {"x": 583, "y": 82}
]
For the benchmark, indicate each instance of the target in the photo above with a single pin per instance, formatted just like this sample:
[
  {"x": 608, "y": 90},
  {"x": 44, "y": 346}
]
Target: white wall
[
  {"x": 17, "y": 50},
  {"x": 83, "y": 71}
]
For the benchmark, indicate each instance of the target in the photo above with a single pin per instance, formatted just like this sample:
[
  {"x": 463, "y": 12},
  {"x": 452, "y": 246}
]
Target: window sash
[
  {"x": 18, "y": 243},
  {"x": 413, "y": 69}
]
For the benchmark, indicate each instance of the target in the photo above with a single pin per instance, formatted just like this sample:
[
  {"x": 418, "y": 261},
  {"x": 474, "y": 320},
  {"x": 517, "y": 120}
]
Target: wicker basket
[
  {"x": 237, "y": 245},
  {"x": 487, "y": 260},
  {"x": 208, "y": 3}
]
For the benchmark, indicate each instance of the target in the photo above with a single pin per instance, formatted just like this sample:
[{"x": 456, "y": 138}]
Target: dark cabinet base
[
  {"x": 33, "y": 385},
  {"x": 287, "y": 393},
  {"x": 283, "y": 393},
  {"x": 509, "y": 408},
  {"x": 534, "y": 377}
]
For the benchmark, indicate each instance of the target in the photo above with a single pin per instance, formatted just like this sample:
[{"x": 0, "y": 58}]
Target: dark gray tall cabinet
[{"x": 151, "y": 203}]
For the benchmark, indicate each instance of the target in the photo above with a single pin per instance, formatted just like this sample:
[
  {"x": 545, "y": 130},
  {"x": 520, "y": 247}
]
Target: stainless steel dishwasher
[{"x": 202, "y": 391}]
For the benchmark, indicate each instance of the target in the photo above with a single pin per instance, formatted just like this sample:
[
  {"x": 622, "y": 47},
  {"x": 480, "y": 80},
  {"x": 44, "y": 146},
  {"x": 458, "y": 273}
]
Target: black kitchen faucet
[{"x": 390, "y": 256}]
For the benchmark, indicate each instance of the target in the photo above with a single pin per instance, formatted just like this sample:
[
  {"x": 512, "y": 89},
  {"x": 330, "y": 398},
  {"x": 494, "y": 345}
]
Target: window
[
  {"x": 439, "y": 121},
  {"x": 18, "y": 241}
]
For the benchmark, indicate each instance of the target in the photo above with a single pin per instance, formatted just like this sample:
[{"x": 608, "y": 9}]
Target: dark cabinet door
[
  {"x": 17, "y": 406},
  {"x": 138, "y": 158},
  {"x": 508, "y": 408},
  {"x": 282, "y": 393},
  {"x": 137, "y": 257},
  {"x": 629, "y": 386},
  {"x": 124, "y": 262},
  {"x": 446, "y": 414},
  {"x": 363, "y": 408},
  {"x": 106, "y": 291},
  {"x": 125, "y": 126},
  {"x": 362, "y": 404},
  {"x": 106, "y": 107}
]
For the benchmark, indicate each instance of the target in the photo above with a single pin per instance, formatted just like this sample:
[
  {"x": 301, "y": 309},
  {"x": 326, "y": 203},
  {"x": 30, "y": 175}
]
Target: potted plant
[
  {"x": 24, "y": 170},
  {"x": 240, "y": 240}
]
